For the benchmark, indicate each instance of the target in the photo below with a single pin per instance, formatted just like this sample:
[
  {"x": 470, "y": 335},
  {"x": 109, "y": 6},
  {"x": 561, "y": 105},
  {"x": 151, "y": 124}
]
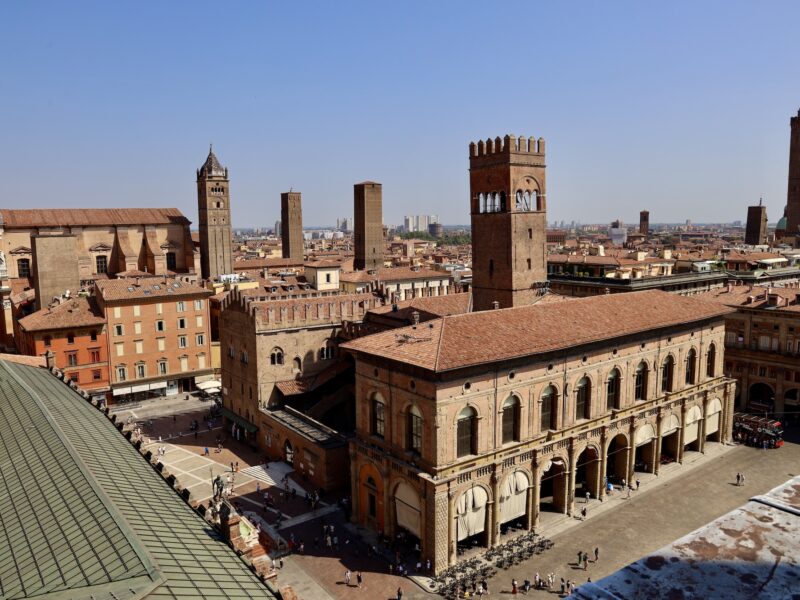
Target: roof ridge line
[{"x": 439, "y": 344}]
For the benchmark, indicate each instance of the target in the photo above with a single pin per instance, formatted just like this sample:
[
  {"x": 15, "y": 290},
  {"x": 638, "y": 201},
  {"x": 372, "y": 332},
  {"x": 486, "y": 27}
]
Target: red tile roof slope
[
  {"x": 75, "y": 312},
  {"x": 150, "y": 287},
  {"x": 491, "y": 336},
  {"x": 77, "y": 217}
]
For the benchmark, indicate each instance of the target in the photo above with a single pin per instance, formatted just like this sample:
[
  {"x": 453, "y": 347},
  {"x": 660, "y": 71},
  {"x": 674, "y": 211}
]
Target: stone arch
[
  {"x": 762, "y": 395},
  {"x": 408, "y": 507},
  {"x": 670, "y": 436},
  {"x": 553, "y": 485},
  {"x": 468, "y": 404},
  {"x": 370, "y": 501},
  {"x": 511, "y": 418},
  {"x": 644, "y": 433},
  {"x": 713, "y": 418},
  {"x": 617, "y": 457},
  {"x": 587, "y": 471}
]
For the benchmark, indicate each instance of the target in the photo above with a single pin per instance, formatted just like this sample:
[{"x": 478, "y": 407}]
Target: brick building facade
[
  {"x": 471, "y": 422},
  {"x": 158, "y": 335}
]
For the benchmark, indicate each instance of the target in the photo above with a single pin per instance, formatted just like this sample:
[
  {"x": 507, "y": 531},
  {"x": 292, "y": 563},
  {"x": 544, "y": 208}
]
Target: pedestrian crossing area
[{"x": 272, "y": 474}]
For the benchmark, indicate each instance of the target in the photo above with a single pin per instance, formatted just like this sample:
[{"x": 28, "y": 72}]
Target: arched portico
[
  {"x": 713, "y": 420},
  {"x": 553, "y": 484},
  {"x": 617, "y": 459},
  {"x": 370, "y": 501},
  {"x": 587, "y": 473},
  {"x": 644, "y": 441},
  {"x": 670, "y": 437}
]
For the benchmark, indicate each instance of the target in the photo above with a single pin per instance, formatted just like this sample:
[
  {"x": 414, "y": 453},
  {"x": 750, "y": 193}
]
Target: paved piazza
[{"x": 667, "y": 507}]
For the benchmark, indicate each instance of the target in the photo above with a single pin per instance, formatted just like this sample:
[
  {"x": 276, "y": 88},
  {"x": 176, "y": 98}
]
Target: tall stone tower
[
  {"x": 368, "y": 230},
  {"x": 756, "y": 231},
  {"x": 509, "y": 221},
  {"x": 291, "y": 226},
  {"x": 644, "y": 222},
  {"x": 213, "y": 202},
  {"x": 793, "y": 195}
]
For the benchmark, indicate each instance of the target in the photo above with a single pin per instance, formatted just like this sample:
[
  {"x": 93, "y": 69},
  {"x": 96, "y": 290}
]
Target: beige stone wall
[{"x": 440, "y": 477}]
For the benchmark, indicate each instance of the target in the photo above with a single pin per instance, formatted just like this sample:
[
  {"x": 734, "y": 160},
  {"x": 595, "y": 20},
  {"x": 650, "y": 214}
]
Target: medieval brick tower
[
  {"x": 793, "y": 195},
  {"x": 509, "y": 221},
  {"x": 368, "y": 230},
  {"x": 291, "y": 226},
  {"x": 213, "y": 203}
]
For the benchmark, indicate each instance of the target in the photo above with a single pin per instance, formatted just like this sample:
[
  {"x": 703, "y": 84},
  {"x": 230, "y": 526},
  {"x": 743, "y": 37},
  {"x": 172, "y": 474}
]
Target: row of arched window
[
  {"x": 467, "y": 423},
  {"x": 413, "y": 429}
]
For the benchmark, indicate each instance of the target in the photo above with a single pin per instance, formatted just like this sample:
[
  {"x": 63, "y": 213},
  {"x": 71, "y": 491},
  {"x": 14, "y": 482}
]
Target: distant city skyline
[{"x": 679, "y": 109}]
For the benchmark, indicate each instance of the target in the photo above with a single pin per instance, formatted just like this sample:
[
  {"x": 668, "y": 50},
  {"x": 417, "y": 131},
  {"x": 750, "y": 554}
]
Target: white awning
[
  {"x": 122, "y": 391},
  {"x": 471, "y": 512},
  {"x": 201, "y": 378},
  {"x": 407, "y": 507},
  {"x": 513, "y": 497},
  {"x": 159, "y": 385},
  {"x": 211, "y": 383},
  {"x": 214, "y": 390},
  {"x": 140, "y": 388},
  {"x": 670, "y": 425}
]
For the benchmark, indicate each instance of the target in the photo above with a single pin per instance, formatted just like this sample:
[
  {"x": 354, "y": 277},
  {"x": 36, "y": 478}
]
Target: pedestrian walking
[
  {"x": 588, "y": 496},
  {"x": 629, "y": 492},
  {"x": 638, "y": 483},
  {"x": 742, "y": 478},
  {"x": 596, "y": 553},
  {"x": 580, "y": 556},
  {"x": 359, "y": 579},
  {"x": 585, "y": 561},
  {"x": 399, "y": 593},
  {"x": 738, "y": 479},
  {"x": 563, "y": 586},
  {"x": 514, "y": 585},
  {"x": 280, "y": 562},
  {"x": 347, "y": 575}
]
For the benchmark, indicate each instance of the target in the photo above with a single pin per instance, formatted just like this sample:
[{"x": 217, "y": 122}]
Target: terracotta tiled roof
[
  {"x": 499, "y": 335},
  {"x": 392, "y": 274},
  {"x": 75, "y": 312},
  {"x": 740, "y": 295},
  {"x": 150, "y": 287},
  {"x": 265, "y": 263},
  {"x": 31, "y": 361},
  {"x": 433, "y": 306},
  {"x": 309, "y": 384},
  {"x": 76, "y": 217}
]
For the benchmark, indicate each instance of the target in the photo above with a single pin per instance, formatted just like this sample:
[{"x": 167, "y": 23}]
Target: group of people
[{"x": 739, "y": 478}]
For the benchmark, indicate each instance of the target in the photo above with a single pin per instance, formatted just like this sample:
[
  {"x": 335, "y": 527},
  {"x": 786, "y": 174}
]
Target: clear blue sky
[{"x": 678, "y": 107}]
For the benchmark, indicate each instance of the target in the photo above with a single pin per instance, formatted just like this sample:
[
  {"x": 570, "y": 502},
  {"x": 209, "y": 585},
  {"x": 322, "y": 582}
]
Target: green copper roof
[{"x": 82, "y": 514}]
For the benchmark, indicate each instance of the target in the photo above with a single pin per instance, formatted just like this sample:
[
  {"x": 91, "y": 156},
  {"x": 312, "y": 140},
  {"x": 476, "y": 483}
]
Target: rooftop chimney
[{"x": 415, "y": 317}]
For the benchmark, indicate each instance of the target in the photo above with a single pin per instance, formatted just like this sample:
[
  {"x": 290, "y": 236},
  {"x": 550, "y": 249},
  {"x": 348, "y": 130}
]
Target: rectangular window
[
  {"x": 137, "y": 310},
  {"x": 201, "y": 361},
  {"x": 180, "y": 306},
  {"x": 464, "y": 436},
  {"x": 117, "y": 312},
  {"x": 95, "y": 354},
  {"x": 47, "y": 341},
  {"x": 97, "y": 375},
  {"x": 162, "y": 367},
  {"x": 181, "y": 323},
  {"x": 24, "y": 267},
  {"x": 93, "y": 336},
  {"x": 764, "y": 342},
  {"x": 198, "y": 305},
  {"x": 120, "y": 349},
  {"x": 122, "y": 374},
  {"x": 119, "y": 329},
  {"x": 139, "y": 346},
  {"x": 101, "y": 262},
  {"x": 72, "y": 359},
  {"x": 160, "y": 326},
  {"x": 159, "y": 309},
  {"x": 378, "y": 418},
  {"x": 327, "y": 277},
  {"x": 137, "y": 327},
  {"x": 201, "y": 339},
  {"x": 181, "y": 341},
  {"x": 172, "y": 262},
  {"x": 199, "y": 320},
  {"x": 141, "y": 371},
  {"x": 73, "y": 377},
  {"x": 184, "y": 363},
  {"x": 161, "y": 344}
]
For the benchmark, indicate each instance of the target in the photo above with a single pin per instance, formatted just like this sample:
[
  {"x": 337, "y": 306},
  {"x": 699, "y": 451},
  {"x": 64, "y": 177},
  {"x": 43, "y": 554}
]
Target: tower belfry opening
[{"x": 509, "y": 220}]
